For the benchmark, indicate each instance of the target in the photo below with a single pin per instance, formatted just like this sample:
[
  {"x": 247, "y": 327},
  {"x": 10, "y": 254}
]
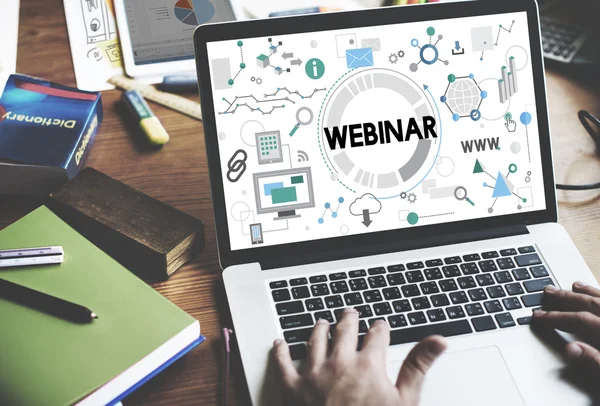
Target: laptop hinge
[{"x": 396, "y": 246}]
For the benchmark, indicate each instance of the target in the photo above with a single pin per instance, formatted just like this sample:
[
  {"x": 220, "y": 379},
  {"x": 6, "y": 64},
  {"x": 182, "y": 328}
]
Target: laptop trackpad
[{"x": 472, "y": 377}]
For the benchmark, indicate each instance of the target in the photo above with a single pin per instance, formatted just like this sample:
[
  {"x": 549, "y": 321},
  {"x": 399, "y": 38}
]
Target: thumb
[
  {"x": 415, "y": 366},
  {"x": 583, "y": 355}
]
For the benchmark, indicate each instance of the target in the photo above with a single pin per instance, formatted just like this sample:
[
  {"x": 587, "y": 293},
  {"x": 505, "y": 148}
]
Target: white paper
[
  {"x": 9, "y": 36},
  {"x": 94, "y": 42}
]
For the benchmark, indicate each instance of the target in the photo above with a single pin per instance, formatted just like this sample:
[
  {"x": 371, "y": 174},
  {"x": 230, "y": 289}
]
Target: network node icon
[
  {"x": 262, "y": 61},
  {"x": 334, "y": 213},
  {"x": 429, "y": 53},
  {"x": 463, "y": 97}
]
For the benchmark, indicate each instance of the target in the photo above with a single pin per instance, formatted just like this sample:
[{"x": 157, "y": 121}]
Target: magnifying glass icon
[
  {"x": 461, "y": 194},
  {"x": 304, "y": 116}
]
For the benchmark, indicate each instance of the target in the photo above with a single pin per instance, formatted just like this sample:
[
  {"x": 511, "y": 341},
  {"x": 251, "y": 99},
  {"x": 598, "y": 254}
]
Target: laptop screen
[{"x": 337, "y": 133}]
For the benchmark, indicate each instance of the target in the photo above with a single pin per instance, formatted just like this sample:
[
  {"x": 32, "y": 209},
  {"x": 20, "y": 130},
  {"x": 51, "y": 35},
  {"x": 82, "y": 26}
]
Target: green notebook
[{"x": 50, "y": 361}]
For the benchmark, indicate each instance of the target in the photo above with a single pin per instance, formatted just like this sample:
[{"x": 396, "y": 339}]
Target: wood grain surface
[{"x": 177, "y": 174}]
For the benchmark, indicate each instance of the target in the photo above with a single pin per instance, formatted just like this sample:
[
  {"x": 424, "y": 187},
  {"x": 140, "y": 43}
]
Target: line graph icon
[
  {"x": 253, "y": 102},
  {"x": 334, "y": 213}
]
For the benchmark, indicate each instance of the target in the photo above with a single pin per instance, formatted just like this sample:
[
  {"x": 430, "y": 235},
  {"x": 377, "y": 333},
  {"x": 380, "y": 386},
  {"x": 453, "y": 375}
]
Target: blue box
[{"x": 46, "y": 132}]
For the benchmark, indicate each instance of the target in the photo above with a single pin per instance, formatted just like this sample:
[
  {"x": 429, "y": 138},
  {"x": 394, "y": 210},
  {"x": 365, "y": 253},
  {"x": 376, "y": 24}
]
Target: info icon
[{"x": 315, "y": 68}]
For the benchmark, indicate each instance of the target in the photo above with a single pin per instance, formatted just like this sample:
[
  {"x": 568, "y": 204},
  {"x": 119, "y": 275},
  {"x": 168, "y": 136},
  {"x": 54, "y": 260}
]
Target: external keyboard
[{"x": 457, "y": 295}]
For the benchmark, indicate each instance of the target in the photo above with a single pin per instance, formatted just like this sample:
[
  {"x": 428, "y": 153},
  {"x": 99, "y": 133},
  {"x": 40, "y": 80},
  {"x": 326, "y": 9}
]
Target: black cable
[{"x": 587, "y": 119}]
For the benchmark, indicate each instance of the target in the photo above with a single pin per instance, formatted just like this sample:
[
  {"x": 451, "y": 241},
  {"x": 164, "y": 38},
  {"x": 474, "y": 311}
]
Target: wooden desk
[{"x": 178, "y": 175}]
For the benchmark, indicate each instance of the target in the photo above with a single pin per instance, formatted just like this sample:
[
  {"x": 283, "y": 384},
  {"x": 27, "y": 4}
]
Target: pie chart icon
[{"x": 194, "y": 12}]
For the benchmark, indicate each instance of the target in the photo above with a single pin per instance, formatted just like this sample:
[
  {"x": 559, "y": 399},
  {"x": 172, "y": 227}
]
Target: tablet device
[{"x": 157, "y": 35}]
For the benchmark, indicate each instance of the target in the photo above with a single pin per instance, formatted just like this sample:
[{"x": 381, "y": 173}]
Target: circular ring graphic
[
  {"x": 524, "y": 51},
  {"x": 246, "y": 210},
  {"x": 242, "y": 131},
  {"x": 435, "y": 51},
  {"x": 475, "y": 115},
  {"x": 512, "y": 168}
]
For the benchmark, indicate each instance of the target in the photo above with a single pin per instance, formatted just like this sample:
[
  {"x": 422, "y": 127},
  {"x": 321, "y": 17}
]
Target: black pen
[{"x": 45, "y": 303}]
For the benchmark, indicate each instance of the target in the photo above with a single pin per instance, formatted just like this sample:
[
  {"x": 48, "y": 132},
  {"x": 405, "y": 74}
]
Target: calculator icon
[
  {"x": 268, "y": 147},
  {"x": 256, "y": 233}
]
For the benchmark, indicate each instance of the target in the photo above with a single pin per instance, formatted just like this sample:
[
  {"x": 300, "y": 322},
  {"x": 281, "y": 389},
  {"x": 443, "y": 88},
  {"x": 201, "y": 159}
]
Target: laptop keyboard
[{"x": 458, "y": 295}]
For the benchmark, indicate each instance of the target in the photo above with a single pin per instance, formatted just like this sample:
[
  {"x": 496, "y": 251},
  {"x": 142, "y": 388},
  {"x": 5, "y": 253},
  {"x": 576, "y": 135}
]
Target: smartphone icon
[{"x": 256, "y": 233}]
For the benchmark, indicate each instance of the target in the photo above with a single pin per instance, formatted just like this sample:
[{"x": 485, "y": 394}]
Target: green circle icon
[
  {"x": 430, "y": 31},
  {"x": 315, "y": 68},
  {"x": 413, "y": 218},
  {"x": 451, "y": 78},
  {"x": 240, "y": 43}
]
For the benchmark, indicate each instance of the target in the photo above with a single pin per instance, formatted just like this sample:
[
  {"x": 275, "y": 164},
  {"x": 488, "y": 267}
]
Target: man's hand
[
  {"x": 346, "y": 377},
  {"x": 576, "y": 312}
]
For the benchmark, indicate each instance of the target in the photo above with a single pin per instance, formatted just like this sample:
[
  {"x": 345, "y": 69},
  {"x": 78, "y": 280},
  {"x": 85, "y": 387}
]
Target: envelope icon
[
  {"x": 374, "y": 43},
  {"x": 359, "y": 58}
]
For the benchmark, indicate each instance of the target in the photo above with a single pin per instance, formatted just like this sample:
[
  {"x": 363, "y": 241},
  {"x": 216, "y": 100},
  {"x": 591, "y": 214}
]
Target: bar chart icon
[{"x": 508, "y": 85}]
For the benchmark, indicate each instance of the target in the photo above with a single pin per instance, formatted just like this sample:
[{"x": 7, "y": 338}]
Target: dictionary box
[{"x": 46, "y": 132}]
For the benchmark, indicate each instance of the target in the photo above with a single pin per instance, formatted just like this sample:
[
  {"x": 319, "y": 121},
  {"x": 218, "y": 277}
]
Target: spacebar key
[{"x": 410, "y": 335}]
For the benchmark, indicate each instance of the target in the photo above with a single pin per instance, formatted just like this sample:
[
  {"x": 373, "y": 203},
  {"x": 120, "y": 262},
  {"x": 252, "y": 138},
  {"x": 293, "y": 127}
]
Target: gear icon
[
  {"x": 393, "y": 59},
  {"x": 258, "y": 81},
  {"x": 252, "y": 79},
  {"x": 412, "y": 198},
  {"x": 403, "y": 195},
  {"x": 528, "y": 177},
  {"x": 401, "y": 54}
]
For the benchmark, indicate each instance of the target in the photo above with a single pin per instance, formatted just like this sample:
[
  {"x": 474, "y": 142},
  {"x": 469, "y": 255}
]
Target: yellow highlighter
[{"x": 149, "y": 123}]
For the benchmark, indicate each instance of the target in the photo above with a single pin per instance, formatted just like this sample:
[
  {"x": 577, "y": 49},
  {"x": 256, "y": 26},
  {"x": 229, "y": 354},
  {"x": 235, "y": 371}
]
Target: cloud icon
[{"x": 365, "y": 202}]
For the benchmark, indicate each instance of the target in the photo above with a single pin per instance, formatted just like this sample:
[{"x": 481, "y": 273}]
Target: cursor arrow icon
[
  {"x": 457, "y": 45},
  {"x": 366, "y": 218}
]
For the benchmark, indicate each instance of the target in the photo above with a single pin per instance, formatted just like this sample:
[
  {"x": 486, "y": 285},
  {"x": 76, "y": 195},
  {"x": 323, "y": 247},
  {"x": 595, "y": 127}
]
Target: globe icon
[{"x": 463, "y": 97}]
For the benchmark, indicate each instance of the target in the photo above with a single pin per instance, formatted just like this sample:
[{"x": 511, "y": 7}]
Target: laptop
[{"x": 397, "y": 161}]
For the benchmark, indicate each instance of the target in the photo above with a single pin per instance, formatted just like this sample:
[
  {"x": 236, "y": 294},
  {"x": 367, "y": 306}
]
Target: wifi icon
[{"x": 302, "y": 156}]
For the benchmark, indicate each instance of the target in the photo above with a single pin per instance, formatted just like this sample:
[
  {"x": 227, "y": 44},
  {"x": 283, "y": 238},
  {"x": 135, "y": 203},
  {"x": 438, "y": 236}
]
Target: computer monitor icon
[{"x": 283, "y": 192}]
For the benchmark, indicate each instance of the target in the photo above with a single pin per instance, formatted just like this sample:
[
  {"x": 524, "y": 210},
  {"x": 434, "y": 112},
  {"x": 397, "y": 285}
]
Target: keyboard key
[
  {"x": 358, "y": 284},
  {"x": 415, "y": 265},
  {"x": 440, "y": 300},
  {"x": 377, "y": 281},
  {"x": 364, "y": 311},
  {"x": 372, "y": 321},
  {"x": 410, "y": 290},
  {"x": 298, "y": 281},
  {"x": 490, "y": 255},
  {"x": 414, "y": 276},
  {"x": 320, "y": 289},
  {"x": 338, "y": 313},
  {"x": 537, "y": 285},
  {"x": 528, "y": 260},
  {"x": 474, "y": 309},
  {"x": 296, "y": 336},
  {"x": 503, "y": 277},
  {"x": 505, "y": 263},
  {"x": 396, "y": 268},
  {"x": 452, "y": 260},
  {"x": 495, "y": 292},
  {"x": 362, "y": 327},
  {"x": 432, "y": 274},
  {"x": 493, "y": 306},
  {"x": 324, "y": 315},
  {"x": 420, "y": 303},
  {"x": 514, "y": 289},
  {"x": 451, "y": 271},
  {"x": 391, "y": 293},
  {"x": 484, "y": 323},
  {"x": 339, "y": 287},
  {"x": 485, "y": 279},
  {"x": 381, "y": 309},
  {"x": 372, "y": 296},
  {"x": 429, "y": 288},
  {"x": 300, "y": 320},
  {"x": 334, "y": 301},
  {"x": 336, "y": 276},
  {"x": 401, "y": 306},
  {"x": 434, "y": 262},
  {"x": 352, "y": 299},
  {"x": 539, "y": 271},
  {"x": 509, "y": 252},
  {"x": 281, "y": 295},
  {"x": 290, "y": 308},
  {"x": 458, "y": 297},
  {"x": 466, "y": 282},
  {"x": 397, "y": 320},
  {"x": 298, "y": 352},
  {"x": 477, "y": 294},
  {"x": 278, "y": 284},
  {"x": 358, "y": 273},
  {"x": 396, "y": 279},
  {"x": 471, "y": 257},
  {"x": 469, "y": 268},
  {"x": 417, "y": 318},
  {"x": 511, "y": 303},
  {"x": 448, "y": 285},
  {"x": 415, "y": 334},
  {"x": 526, "y": 250},
  {"x": 435, "y": 315},
  {"x": 521, "y": 274},
  {"x": 318, "y": 279},
  {"x": 488, "y": 266},
  {"x": 524, "y": 320},
  {"x": 505, "y": 320},
  {"x": 377, "y": 271},
  {"x": 455, "y": 312},
  {"x": 313, "y": 304}
]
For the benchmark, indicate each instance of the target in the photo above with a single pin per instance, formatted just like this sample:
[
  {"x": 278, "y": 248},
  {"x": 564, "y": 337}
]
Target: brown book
[{"x": 149, "y": 237}]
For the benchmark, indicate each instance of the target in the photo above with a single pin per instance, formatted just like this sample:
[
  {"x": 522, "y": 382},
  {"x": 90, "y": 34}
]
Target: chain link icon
[{"x": 237, "y": 166}]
